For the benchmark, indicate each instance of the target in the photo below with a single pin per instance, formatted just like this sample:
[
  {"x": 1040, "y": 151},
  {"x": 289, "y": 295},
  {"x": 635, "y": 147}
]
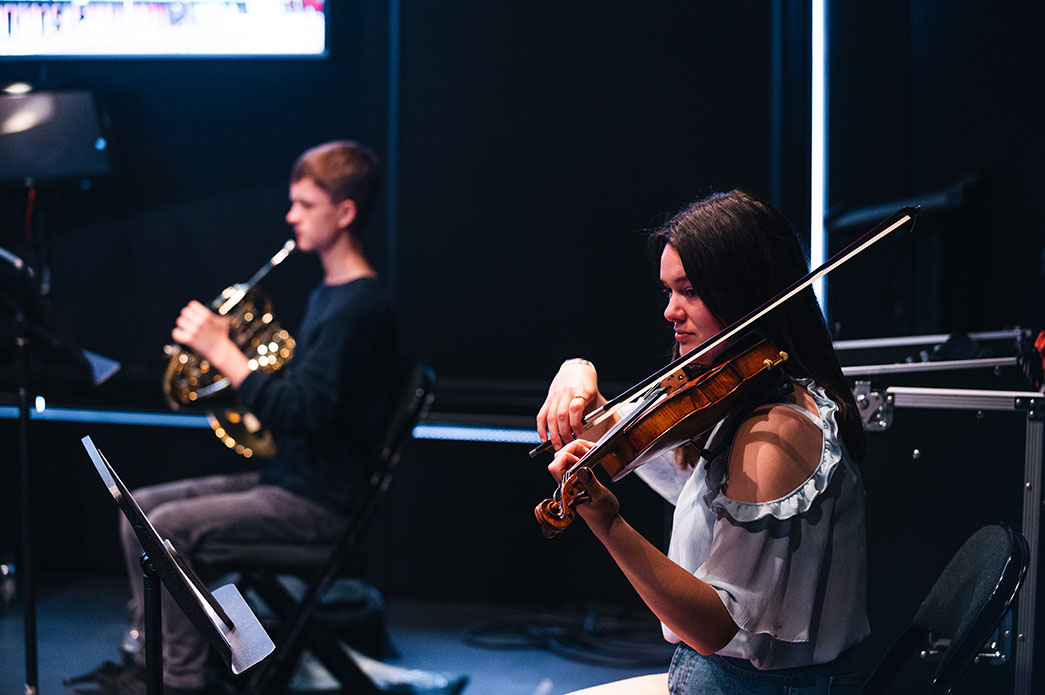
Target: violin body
[
  {"x": 691, "y": 405},
  {"x": 691, "y": 410}
]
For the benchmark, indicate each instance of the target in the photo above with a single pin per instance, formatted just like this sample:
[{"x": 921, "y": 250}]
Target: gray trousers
[{"x": 227, "y": 507}]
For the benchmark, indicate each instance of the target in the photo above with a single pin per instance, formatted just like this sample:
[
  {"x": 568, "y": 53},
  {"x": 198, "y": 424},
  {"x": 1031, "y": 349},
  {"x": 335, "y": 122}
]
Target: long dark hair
[{"x": 739, "y": 251}]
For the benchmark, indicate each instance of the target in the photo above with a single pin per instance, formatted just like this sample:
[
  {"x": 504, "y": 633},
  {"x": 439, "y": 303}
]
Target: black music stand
[
  {"x": 223, "y": 617},
  {"x": 32, "y": 330},
  {"x": 15, "y": 284}
]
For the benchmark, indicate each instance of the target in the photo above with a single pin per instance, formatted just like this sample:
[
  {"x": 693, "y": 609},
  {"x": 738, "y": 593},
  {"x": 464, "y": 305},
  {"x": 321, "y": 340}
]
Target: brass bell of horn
[{"x": 190, "y": 381}]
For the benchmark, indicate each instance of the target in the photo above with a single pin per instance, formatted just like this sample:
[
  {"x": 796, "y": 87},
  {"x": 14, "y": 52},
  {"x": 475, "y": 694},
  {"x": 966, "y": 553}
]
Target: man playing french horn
[{"x": 315, "y": 407}]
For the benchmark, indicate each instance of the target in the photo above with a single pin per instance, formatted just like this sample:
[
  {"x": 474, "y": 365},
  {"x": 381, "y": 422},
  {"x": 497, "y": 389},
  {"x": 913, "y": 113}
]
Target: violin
[
  {"x": 686, "y": 399},
  {"x": 675, "y": 414}
]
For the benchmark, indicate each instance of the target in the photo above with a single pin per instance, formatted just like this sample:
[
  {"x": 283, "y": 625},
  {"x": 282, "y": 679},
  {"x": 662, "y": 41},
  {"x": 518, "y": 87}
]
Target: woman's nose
[{"x": 672, "y": 312}]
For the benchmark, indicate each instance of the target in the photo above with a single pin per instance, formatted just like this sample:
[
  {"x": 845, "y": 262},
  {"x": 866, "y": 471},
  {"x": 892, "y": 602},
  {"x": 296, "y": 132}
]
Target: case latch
[{"x": 876, "y": 407}]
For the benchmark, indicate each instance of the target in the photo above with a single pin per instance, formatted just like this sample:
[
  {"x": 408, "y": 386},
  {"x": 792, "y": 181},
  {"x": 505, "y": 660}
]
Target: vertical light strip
[
  {"x": 818, "y": 147},
  {"x": 392, "y": 163}
]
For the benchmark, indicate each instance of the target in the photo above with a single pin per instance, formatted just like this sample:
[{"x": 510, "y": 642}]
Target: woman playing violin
[{"x": 764, "y": 583}]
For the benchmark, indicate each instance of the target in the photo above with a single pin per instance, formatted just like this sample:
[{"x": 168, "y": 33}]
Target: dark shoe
[
  {"x": 168, "y": 690},
  {"x": 101, "y": 674},
  {"x": 108, "y": 679},
  {"x": 113, "y": 679}
]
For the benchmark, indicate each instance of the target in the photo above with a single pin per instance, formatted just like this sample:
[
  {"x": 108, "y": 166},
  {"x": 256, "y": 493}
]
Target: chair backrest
[
  {"x": 972, "y": 594},
  {"x": 966, "y": 604},
  {"x": 416, "y": 393},
  {"x": 414, "y": 398}
]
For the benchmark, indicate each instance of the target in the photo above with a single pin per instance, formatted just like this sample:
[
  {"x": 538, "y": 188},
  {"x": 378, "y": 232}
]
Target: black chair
[
  {"x": 965, "y": 605},
  {"x": 261, "y": 565}
]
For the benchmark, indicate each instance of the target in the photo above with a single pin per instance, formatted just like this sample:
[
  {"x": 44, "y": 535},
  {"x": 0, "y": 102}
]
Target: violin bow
[{"x": 672, "y": 374}]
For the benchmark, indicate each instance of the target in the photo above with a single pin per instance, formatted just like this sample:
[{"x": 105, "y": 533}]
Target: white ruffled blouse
[{"x": 792, "y": 572}]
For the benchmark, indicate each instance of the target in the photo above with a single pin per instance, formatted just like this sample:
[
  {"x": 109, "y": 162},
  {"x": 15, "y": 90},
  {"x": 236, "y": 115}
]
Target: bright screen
[{"x": 169, "y": 28}]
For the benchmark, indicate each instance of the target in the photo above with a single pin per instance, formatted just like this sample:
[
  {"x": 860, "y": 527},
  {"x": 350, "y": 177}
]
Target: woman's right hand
[
  {"x": 573, "y": 393},
  {"x": 201, "y": 330}
]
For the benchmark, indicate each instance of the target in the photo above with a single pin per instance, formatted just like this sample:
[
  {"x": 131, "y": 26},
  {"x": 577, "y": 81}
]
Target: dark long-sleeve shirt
[{"x": 325, "y": 407}]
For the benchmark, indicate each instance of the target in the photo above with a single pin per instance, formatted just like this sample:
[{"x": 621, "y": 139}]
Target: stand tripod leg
[{"x": 153, "y": 629}]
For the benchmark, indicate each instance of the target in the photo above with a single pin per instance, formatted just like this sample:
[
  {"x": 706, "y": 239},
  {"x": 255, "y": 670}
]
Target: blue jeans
[{"x": 692, "y": 673}]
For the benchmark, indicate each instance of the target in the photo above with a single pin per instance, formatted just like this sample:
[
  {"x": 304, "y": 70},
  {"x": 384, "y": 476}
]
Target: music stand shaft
[
  {"x": 153, "y": 628},
  {"x": 29, "y": 598}
]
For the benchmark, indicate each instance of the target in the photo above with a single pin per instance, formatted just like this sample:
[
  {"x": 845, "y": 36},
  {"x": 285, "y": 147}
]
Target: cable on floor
[{"x": 594, "y": 634}]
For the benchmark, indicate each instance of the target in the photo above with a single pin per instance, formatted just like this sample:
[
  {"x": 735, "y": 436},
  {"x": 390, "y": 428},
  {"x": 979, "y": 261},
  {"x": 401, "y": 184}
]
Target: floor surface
[{"x": 79, "y": 624}]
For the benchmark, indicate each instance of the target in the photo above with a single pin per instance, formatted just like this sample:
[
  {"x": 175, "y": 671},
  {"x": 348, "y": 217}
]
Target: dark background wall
[
  {"x": 534, "y": 149},
  {"x": 535, "y": 145},
  {"x": 925, "y": 96}
]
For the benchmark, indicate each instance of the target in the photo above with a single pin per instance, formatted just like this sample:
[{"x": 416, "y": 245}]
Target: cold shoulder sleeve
[{"x": 791, "y": 572}]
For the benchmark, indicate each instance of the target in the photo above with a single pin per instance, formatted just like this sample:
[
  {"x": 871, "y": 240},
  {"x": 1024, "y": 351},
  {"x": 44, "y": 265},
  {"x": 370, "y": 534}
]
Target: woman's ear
[{"x": 346, "y": 213}]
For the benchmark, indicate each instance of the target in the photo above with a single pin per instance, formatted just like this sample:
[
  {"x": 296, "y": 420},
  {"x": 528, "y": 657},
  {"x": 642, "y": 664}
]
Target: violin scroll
[
  {"x": 553, "y": 517},
  {"x": 555, "y": 514}
]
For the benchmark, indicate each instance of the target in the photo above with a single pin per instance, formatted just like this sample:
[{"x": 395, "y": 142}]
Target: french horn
[{"x": 190, "y": 381}]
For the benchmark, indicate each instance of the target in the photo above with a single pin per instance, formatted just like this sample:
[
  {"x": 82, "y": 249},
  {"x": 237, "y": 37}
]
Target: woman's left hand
[{"x": 596, "y": 505}]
